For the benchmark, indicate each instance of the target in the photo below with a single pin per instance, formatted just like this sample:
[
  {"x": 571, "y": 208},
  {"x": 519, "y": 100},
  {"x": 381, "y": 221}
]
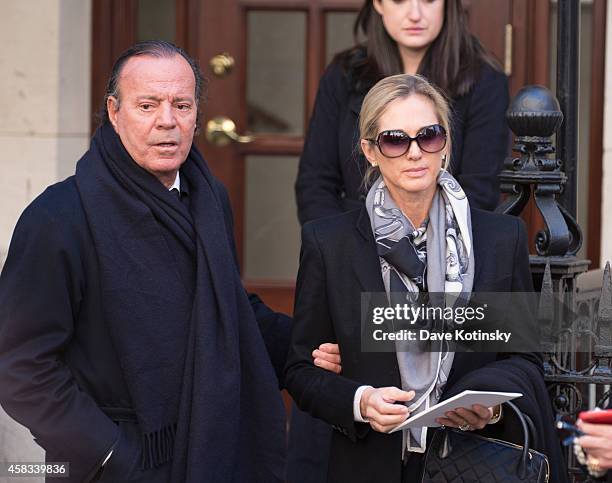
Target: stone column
[
  {"x": 606, "y": 209},
  {"x": 44, "y": 126},
  {"x": 44, "y": 99}
]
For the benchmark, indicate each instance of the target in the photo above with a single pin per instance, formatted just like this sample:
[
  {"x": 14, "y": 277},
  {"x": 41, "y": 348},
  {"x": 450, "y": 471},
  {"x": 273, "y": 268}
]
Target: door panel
[
  {"x": 276, "y": 58},
  {"x": 280, "y": 49},
  {"x": 338, "y": 33},
  {"x": 490, "y": 29},
  {"x": 272, "y": 231},
  {"x": 156, "y": 20}
]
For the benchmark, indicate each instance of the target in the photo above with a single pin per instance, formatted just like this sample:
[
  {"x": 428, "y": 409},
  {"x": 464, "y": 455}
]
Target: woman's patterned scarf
[{"x": 415, "y": 260}]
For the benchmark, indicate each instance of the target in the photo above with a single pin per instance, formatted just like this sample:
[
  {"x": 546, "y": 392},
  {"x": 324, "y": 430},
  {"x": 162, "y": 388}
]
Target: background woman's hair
[
  {"x": 452, "y": 62},
  {"x": 391, "y": 89}
]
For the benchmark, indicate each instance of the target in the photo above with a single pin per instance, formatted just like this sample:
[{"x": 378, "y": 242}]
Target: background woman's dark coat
[
  {"x": 331, "y": 170},
  {"x": 338, "y": 263}
]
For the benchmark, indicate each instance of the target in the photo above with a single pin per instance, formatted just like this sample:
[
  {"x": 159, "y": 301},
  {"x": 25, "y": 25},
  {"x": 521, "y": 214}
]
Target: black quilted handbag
[{"x": 464, "y": 457}]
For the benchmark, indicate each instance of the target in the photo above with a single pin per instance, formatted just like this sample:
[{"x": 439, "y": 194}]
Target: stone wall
[
  {"x": 44, "y": 99},
  {"x": 44, "y": 127}
]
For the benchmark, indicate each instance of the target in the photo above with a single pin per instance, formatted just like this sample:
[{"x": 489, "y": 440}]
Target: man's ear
[{"x": 112, "y": 106}]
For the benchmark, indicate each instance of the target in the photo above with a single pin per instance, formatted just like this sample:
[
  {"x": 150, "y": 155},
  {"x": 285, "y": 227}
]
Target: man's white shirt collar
[{"x": 177, "y": 183}]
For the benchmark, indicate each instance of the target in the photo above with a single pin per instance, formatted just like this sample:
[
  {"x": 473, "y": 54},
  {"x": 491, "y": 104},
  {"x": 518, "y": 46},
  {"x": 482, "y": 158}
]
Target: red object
[{"x": 603, "y": 416}]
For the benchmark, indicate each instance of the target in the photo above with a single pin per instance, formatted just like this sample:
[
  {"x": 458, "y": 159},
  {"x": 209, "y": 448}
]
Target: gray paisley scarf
[{"x": 436, "y": 257}]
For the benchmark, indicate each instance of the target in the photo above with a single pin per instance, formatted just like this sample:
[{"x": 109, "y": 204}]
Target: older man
[{"x": 128, "y": 345}]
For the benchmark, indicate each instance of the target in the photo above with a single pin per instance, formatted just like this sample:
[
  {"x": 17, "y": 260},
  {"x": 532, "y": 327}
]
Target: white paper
[{"x": 463, "y": 400}]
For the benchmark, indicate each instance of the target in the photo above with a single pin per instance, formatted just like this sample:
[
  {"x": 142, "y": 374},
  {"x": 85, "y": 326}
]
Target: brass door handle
[
  {"x": 222, "y": 64},
  {"x": 221, "y": 131},
  {"x": 508, "y": 50}
]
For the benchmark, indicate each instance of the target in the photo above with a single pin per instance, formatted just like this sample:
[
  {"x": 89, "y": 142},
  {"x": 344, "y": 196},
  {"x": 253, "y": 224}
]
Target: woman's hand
[
  {"x": 377, "y": 406},
  {"x": 597, "y": 443},
  {"x": 327, "y": 357},
  {"x": 467, "y": 419}
]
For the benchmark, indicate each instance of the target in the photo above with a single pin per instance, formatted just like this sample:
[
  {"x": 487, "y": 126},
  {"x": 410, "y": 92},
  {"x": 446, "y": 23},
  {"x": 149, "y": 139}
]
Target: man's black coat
[{"x": 58, "y": 367}]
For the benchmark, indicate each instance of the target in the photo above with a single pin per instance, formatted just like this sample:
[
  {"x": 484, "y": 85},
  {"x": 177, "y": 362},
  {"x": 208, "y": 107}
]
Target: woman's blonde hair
[{"x": 393, "y": 88}]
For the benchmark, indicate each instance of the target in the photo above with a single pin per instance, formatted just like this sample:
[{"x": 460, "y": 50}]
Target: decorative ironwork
[
  {"x": 534, "y": 115},
  {"x": 575, "y": 317},
  {"x": 568, "y": 63}
]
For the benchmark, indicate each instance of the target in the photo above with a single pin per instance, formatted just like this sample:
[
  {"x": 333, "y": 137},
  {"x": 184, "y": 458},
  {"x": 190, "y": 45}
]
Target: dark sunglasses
[{"x": 396, "y": 143}]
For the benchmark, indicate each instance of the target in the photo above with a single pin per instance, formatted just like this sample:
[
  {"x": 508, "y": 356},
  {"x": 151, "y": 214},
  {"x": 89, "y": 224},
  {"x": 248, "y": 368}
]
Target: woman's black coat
[
  {"x": 338, "y": 262},
  {"x": 331, "y": 169}
]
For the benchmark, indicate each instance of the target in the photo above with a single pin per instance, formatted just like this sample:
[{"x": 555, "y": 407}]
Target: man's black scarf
[{"x": 199, "y": 377}]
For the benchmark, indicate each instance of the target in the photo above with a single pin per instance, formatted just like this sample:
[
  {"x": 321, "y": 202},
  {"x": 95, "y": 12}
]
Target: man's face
[{"x": 156, "y": 116}]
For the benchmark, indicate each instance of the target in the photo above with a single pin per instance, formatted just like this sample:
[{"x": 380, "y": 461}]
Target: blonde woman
[{"x": 439, "y": 244}]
